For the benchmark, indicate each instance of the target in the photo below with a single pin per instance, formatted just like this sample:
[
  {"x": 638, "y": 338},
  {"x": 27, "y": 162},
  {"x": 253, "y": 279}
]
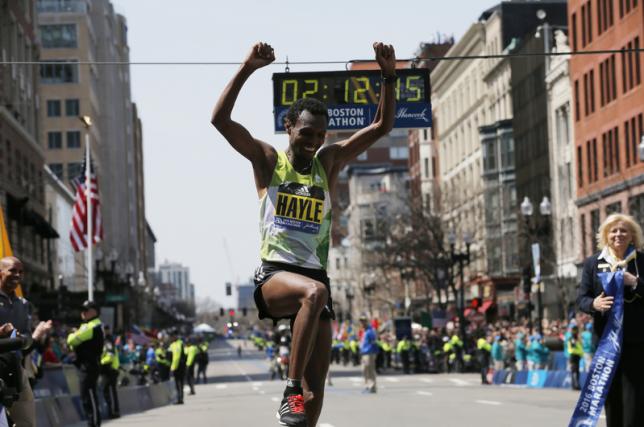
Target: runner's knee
[{"x": 316, "y": 295}]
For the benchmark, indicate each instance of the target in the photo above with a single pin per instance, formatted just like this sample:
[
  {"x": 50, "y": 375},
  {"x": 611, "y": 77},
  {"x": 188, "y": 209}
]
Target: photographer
[{"x": 15, "y": 311}]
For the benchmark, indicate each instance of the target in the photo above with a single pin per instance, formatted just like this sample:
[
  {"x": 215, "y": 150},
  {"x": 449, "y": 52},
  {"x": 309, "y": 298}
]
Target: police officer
[
  {"x": 87, "y": 343},
  {"x": 191, "y": 355},
  {"x": 110, "y": 372},
  {"x": 576, "y": 352},
  {"x": 163, "y": 364},
  {"x": 178, "y": 366},
  {"x": 202, "y": 361}
]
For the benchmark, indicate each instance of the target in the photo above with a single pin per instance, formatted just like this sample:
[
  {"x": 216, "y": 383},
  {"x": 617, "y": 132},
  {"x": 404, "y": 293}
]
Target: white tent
[{"x": 203, "y": 328}]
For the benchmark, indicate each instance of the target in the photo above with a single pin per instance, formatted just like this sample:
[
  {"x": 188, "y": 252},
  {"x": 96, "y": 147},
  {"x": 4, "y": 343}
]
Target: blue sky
[{"x": 199, "y": 192}]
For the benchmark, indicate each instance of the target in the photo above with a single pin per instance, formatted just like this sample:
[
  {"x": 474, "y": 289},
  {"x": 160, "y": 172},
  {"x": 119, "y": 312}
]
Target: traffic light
[
  {"x": 244, "y": 311},
  {"x": 221, "y": 312},
  {"x": 231, "y": 312},
  {"x": 229, "y": 289}
]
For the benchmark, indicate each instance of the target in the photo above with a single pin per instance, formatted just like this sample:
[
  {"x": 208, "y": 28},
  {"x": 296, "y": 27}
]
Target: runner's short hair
[{"x": 312, "y": 105}]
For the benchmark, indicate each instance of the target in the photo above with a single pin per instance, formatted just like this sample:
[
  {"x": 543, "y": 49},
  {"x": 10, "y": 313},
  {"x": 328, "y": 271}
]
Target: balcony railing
[{"x": 58, "y": 6}]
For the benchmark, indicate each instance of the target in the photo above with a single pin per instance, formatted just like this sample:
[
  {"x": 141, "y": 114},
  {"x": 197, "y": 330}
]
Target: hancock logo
[{"x": 403, "y": 114}]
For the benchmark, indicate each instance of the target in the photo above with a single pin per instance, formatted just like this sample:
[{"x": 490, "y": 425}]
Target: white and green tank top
[{"x": 295, "y": 216}]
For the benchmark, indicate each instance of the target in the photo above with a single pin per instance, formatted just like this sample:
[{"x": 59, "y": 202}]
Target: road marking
[
  {"x": 221, "y": 386},
  {"x": 356, "y": 379},
  {"x": 459, "y": 383},
  {"x": 424, "y": 393},
  {"x": 241, "y": 371},
  {"x": 326, "y": 425},
  {"x": 257, "y": 384},
  {"x": 275, "y": 399},
  {"x": 488, "y": 402},
  {"x": 392, "y": 380},
  {"x": 427, "y": 380}
]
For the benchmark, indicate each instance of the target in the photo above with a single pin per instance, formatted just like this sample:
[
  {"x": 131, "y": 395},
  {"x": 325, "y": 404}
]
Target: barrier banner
[
  {"x": 537, "y": 378},
  {"x": 604, "y": 364}
]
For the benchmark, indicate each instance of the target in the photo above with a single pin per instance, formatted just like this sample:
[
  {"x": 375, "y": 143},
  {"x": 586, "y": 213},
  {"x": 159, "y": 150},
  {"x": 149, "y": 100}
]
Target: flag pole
[{"x": 88, "y": 197}]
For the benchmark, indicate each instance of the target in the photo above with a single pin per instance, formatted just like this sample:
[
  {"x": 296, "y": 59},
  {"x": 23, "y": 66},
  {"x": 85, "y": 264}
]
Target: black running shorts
[{"x": 267, "y": 269}]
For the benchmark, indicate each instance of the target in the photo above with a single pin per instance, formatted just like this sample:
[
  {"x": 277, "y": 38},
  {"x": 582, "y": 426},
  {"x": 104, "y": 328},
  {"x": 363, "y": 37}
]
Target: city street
[{"x": 240, "y": 394}]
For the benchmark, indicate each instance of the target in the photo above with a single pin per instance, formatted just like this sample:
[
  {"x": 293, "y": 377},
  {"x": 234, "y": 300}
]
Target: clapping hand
[
  {"x": 6, "y": 330},
  {"x": 41, "y": 330}
]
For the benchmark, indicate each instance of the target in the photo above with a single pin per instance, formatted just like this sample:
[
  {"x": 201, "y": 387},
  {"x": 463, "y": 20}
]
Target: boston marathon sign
[{"x": 352, "y": 97}]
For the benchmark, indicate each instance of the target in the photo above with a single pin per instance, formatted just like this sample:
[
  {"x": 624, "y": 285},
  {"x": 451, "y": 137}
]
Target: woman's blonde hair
[{"x": 636, "y": 230}]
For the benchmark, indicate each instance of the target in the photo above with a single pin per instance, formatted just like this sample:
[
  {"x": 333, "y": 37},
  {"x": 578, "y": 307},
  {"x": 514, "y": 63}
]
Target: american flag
[{"x": 78, "y": 233}]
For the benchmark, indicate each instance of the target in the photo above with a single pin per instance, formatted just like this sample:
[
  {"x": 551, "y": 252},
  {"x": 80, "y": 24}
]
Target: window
[
  {"x": 636, "y": 208},
  {"x": 53, "y": 108},
  {"x": 580, "y": 172},
  {"x": 434, "y": 167},
  {"x": 398, "y": 153},
  {"x": 595, "y": 160},
  {"x": 577, "y": 100},
  {"x": 58, "y": 36},
  {"x": 426, "y": 162},
  {"x": 574, "y": 32},
  {"x": 625, "y": 6},
  {"x": 59, "y": 72},
  {"x": 633, "y": 131},
  {"x": 72, "y": 107},
  {"x": 368, "y": 229},
  {"x": 73, "y": 139},
  {"x": 614, "y": 208},
  {"x": 74, "y": 170},
  {"x": 57, "y": 169},
  {"x": 604, "y": 15},
  {"x": 362, "y": 156},
  {"x": 54, "y": 140},
  {"x": 631, "y": 65},
  {"x": 594, "y": 222},
  {"x": 489, "y": 155},
  {"x": 507, "y": 151}
]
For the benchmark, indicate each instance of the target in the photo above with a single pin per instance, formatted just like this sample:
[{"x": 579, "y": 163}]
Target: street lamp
[
  {"x": 462, "y": 258},
  {"x": 545, "y": 209}
]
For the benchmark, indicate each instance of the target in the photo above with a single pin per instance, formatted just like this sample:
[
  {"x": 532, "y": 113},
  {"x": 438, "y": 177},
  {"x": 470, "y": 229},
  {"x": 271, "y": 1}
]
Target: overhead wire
[{"x": 412, "y": 60}]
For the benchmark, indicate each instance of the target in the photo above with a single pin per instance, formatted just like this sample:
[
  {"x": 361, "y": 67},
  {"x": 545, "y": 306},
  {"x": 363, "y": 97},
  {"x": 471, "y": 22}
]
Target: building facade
[
  {"x": 22, "y": 158},
  {"x": 76, "y": 31},
  {"x": 458, "y": 102},
  {"x": 565, "y": 229},
  {"x": 608, "y": 113},
  {"x": 179, "y": 277}
]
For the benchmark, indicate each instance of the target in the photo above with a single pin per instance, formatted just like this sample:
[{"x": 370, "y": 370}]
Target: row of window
[
  {"x": 73, "y": 170},
  {"x": 17, "y": 168},
  {"x": 631, "y": 77},
  {"x": 54, "y": 108},
  {"x": 633, "y": 129},
  {"x": 58, "y": 36},
  {"x": 604, "y": 10},
  {"x": 55, "y": 139},
  {"x": 57, "y": 72}
]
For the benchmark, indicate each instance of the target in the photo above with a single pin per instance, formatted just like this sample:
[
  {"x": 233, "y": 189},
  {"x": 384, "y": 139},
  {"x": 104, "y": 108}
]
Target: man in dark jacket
[{"x": 87, "y": 343}]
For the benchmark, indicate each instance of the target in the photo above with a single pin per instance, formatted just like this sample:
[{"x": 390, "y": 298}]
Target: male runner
[{"x": 296, "y": 188}]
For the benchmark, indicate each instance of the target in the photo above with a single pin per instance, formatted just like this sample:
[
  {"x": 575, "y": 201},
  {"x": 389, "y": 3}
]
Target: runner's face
[
  {"x": 619, "y": 237},
  {"x": 307, "y": 135},
  {"x": 10, "y": 275}
]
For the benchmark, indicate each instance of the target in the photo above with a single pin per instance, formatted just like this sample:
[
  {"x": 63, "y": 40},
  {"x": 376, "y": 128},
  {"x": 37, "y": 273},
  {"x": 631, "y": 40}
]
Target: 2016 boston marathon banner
[{"x": 602, "y": 369}]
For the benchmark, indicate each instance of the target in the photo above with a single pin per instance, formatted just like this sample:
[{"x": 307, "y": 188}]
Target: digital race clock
[{"x": 352, "y": 96}]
